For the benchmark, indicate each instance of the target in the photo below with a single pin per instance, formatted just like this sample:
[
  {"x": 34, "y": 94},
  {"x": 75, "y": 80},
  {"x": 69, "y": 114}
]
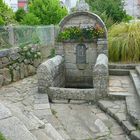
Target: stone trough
[{"x": 79, "y": 71}]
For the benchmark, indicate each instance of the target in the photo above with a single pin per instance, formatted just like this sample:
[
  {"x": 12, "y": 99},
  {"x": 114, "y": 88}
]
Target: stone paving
[{"x": 25, "y": 110}]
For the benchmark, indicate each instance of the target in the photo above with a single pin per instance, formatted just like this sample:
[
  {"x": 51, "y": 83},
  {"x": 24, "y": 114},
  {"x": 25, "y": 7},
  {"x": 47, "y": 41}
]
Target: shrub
[
  {"x": 6, "y": 14},
  {"x": 111, "y": 11},
  {"x": 19, "y": 15},
  {"x": 47, "y": 11},
  {"x": 124, "y": 42},
  {"x": 30, "y": 19}
]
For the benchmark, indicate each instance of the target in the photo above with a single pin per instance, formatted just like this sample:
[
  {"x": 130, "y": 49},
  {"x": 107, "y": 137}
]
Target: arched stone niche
[
  {"x": 82, "y": 19},
  {"x": 80, "y": 56}
]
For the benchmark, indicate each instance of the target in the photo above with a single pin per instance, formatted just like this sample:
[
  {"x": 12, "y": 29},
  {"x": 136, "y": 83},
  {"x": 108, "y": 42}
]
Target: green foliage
[
  {"x": 1, "y": 21},
  {"x": 30, "y": 19},
  {"x": 80, "y": 34},
  {"x": 6, "y": 14},
  {"x": 30, "y": 53},
  {"x": 107, "y": 19},
  {"x": 52, "y": 53},
  {"x": 124, "y": 42},
  {"x": 111, "y": 11},
  {"x": 4, "y": 41},
  {"x": 2, "y": 137},
  {"x": 19, "y": 15},
  {"x": 44, "y": 12}
]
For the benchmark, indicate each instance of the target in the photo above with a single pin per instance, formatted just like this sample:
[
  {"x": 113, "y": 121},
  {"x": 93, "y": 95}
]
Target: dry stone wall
[{"x": 17, "y": 63}]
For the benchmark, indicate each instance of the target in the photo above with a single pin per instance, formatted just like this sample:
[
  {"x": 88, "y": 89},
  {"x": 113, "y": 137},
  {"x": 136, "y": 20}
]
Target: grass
[
  {"x": 2, "y": 137},
  {"x": 124, "y": 42}
]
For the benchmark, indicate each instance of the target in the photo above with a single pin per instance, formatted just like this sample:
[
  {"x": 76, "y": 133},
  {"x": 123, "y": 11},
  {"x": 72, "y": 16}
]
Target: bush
[
  {"x": 30, "y": 19},
  {"x": 44, "y": 12},
  {"x": 111, "y": 11},
  {"x": 124, "y": 42},
  {"x": 6, "y": 14},
  {"x": 19, "y": 15}
]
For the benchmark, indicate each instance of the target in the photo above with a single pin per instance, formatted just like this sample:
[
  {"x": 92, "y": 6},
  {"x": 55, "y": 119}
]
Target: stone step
[
  {"x": 136, "y": 81},
  {"x": 117, "y": 109},
  {"x": 52, "y": 133},
  {"x": 13, "y": 128},
  {"x": 35, "y": 125},
  {"x": 40, "y": 135},
  {"x": 51, "y": 119},
  {"x": 133, "y": 109},
  {"x": 138, "y": 70},
  {"x": 119, "y": 72},
  {"x": 79, "y": 121},
  {"x": 28, "y": 118},
  {"x": 120, "y": 66}
]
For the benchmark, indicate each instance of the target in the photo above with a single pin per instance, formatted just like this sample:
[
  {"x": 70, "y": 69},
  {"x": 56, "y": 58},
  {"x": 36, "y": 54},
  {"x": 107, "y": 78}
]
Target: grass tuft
[{"x": 124, "y": 42}]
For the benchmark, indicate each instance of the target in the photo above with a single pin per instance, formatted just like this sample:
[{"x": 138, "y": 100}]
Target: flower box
[{"x": 77, "y": 34}]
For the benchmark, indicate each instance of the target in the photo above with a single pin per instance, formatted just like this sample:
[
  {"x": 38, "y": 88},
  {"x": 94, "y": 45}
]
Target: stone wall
[
  {"x": 17, "y": 63},
  {"x": 51, "y": 73},
  {"x": 79, "y": 75}
]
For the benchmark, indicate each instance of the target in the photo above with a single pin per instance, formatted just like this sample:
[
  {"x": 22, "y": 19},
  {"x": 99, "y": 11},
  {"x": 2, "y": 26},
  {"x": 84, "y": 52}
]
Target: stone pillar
[
  {"x": 102, "y": 46},
  {"x": 101, "y": 76}
]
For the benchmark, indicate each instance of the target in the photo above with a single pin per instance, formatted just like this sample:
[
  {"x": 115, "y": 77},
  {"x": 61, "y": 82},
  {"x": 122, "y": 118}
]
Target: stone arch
[{"x": 78, "y": 20}]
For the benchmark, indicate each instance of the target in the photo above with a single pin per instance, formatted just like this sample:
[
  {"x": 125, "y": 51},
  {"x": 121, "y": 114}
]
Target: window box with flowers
[{"x": 77, "y": 34}]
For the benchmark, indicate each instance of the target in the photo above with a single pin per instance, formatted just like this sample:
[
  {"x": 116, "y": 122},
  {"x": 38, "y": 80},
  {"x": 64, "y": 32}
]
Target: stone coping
[{"x": 72, "y": 93}]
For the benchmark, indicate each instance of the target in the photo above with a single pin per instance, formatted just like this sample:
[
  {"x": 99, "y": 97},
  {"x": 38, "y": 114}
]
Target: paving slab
[
  {"x": 4, "y": 112},
  {"x": 13, "y": 129},
  {"x": 29, "y": 120},
  {"x": 135, "y": 135},
  {"x": 84, "y": 121},
  {"x": 40, "y": 135}
]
